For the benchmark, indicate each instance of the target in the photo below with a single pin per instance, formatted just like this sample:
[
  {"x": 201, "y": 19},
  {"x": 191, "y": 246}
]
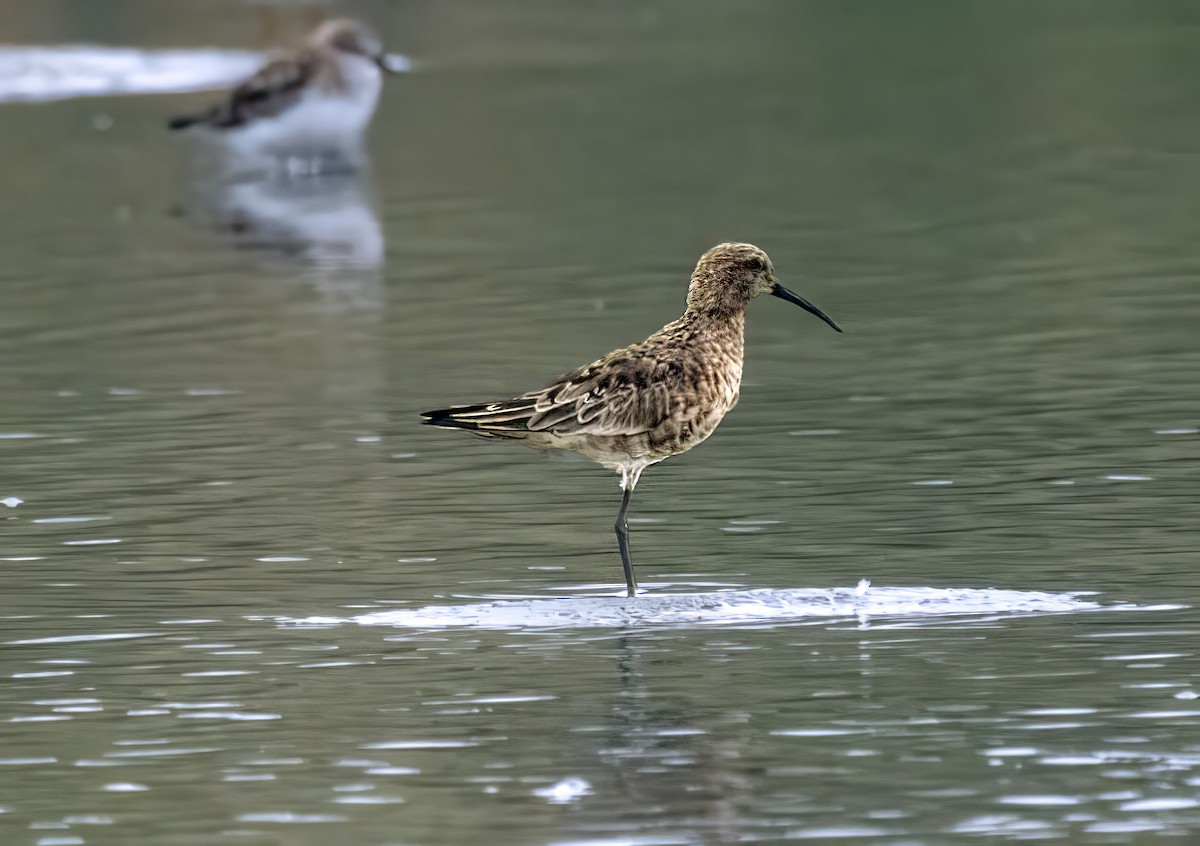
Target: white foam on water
[
  {"x": 86, "y": 70},
  {"x": 57, "y": 72},
  {"x": 570, "y": 789},
  {"x": 722, "y": 607}
]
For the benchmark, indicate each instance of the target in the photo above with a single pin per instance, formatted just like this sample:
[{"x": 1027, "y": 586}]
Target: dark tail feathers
[
  {"x": 445, "y": 417},
  {"x": 505, "y": 419}
]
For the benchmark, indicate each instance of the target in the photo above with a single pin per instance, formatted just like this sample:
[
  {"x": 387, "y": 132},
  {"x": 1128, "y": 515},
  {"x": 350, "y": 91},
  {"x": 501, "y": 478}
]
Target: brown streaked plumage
[
  {"x": 646, "y": 402},
  {"x": 341, "y": 59}
]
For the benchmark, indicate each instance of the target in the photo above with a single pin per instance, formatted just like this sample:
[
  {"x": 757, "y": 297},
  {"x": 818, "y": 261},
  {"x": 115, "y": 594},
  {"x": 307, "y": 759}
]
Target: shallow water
[{"x": 249, "y": 600}]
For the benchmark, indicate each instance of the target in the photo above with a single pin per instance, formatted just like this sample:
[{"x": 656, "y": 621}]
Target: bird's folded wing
[
  {"x": 271, "y": 90},
  {"x": 626, "y": 397}
]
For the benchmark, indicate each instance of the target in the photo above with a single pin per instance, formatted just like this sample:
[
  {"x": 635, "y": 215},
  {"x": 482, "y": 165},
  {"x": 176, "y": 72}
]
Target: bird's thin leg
[
  {"x": 629, "y": 480},
  {"x": 623, "y": 542}
]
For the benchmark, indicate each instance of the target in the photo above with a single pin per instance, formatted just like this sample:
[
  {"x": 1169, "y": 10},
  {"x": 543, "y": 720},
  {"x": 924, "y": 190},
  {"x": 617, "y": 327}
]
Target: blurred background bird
[{"x": 318, "y": 98}]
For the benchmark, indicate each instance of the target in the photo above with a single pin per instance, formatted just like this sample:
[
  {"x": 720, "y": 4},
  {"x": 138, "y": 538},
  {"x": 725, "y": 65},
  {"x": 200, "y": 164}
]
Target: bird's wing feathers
[
  {"x": 273, "y": 88},
  {"x": 628, "y": 392},
  {"x": 622, "y": 394}
]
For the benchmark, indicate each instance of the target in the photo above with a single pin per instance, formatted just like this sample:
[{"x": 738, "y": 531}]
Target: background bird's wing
[{"x": 272, "y": 89}]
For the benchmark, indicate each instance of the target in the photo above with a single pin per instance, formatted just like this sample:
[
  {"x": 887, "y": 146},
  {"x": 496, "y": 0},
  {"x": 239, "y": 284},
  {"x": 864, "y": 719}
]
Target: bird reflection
[
  {"x": 323, "y": 220},
  {"x": 657, "y": 753}
]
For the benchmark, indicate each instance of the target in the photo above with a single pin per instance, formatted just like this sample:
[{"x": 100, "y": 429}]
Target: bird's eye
[{"x": 757, "y": 265}]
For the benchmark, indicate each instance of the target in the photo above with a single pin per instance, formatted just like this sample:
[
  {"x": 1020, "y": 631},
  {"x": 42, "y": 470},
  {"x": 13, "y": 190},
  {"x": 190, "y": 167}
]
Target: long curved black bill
[{"x": 784, "y": 294}]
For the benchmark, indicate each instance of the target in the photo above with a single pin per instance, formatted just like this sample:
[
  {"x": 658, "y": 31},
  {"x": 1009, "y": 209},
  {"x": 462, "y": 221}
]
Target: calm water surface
[{"x": 226, "y": 581}]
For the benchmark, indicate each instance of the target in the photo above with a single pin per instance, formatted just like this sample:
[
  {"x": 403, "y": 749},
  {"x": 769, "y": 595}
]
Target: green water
[{"x": 997, "y": 202}]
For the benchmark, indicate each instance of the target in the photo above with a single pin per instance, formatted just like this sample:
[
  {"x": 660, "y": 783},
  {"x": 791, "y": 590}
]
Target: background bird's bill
[
  {"x": 784, "y": 294},
  {"x": 393, "y": 63}
]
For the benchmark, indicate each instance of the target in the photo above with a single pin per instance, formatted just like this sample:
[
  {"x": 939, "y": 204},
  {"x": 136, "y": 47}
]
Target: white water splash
[
  {"x": 570, "y": 789},
  {"x": 730, "y": 607}
]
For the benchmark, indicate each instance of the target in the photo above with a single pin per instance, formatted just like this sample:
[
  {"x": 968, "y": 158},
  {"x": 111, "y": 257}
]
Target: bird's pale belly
[{"x": 617, "y": 452}]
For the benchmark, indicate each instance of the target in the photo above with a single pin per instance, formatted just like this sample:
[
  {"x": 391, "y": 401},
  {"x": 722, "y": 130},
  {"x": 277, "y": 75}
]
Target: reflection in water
[
  {"x": 658, "y": 750},
  {"x": 318, "y": 218}
]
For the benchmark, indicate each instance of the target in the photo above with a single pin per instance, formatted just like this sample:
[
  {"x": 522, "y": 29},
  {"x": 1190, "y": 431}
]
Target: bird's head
[
  {"x": 730, "y": 275},
  {"x": 353, "y": 37}
]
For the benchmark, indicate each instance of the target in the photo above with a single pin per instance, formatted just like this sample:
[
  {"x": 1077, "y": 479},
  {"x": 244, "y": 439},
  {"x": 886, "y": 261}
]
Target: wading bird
[
  {"x": 641, "y": 404},
  {"x": 323, "y": 94}
]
